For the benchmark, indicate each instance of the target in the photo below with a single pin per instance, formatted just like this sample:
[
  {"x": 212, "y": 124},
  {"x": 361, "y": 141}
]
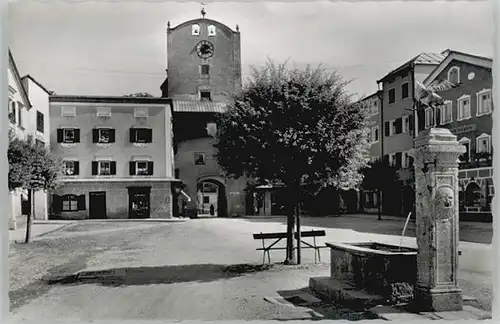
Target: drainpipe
[
  {"x": 415, "y": 123},
  {"x": 380, "y": 95}
]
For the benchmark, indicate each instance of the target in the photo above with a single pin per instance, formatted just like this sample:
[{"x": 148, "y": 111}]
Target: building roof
[
  {"x": 458, "y": 56},
  {"x": 108, "y": 99},
  {"x": 27, "y": 76},
  {"x": 420, "y": 59},
  {"x": 369, "y": 96},
  {"x": 199, "y": 106},
  {"x": 17, "y": 77}
]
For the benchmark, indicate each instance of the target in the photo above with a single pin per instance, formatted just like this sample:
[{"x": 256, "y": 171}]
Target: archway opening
[
  {"x": 473, "y": 195},
  {"x": 211, "y": 198}
]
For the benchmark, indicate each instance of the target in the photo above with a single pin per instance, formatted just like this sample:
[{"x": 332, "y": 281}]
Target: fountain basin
[{"x": 377, "y": 268}]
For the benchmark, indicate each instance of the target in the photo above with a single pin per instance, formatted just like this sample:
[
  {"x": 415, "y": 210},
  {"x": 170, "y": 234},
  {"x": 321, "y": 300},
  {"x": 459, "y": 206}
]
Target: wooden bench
[{"x": 283, "y": 235}]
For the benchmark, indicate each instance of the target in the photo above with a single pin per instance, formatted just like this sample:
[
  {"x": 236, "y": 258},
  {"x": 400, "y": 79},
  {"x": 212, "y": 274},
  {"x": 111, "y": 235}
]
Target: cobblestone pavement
[{"x": 183, "y": 271}]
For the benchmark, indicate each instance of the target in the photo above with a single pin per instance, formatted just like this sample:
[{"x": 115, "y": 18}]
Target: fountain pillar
[{"x": 436, "y": 153}]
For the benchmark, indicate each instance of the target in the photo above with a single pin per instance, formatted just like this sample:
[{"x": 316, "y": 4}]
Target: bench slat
[{"x": 260, "y": 236}]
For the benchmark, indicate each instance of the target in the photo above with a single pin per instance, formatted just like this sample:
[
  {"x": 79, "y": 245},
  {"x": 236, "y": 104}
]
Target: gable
[
  {"x": 458, "y": 59},
  {"x": 14, "y": 72},
  {"x": 467, "y": 72}
]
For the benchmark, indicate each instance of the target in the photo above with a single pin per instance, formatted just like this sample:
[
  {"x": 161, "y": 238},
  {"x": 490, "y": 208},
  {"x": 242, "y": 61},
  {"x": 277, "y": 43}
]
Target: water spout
[{"x": 404, "y": 230}]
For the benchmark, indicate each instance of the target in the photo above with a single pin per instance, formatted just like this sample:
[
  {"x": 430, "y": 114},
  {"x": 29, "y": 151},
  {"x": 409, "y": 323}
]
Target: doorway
[
  {"x": 139, "y": 202},
  {"x": 97, "y": 205}
]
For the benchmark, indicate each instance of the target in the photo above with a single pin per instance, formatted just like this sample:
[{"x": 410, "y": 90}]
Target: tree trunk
[
  {"x": 31, "y": 194},
  {"x": 290, "y": 255},
  {"x": 379, "y": 204},
  {"x": 299, "y": 238}
]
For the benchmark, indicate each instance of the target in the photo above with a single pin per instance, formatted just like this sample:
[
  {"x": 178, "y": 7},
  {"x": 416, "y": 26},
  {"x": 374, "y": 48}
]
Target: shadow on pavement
[
  {"x": 322, "y": 310},
  {"x": 469, "y": 231},
  {"x": 170, "y": 274}
]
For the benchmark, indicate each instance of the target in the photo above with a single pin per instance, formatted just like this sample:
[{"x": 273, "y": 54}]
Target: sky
[{"x": 94, "y": 48}]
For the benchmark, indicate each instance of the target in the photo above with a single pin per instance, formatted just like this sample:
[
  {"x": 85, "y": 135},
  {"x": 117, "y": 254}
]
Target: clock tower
[
  {"x": 204, "y": 60},
  {"x": 204, "y": 69}
]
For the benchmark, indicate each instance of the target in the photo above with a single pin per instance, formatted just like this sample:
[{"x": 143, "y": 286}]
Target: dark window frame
[
  {"x": 200, "y": 158},
  {"x": 40, "y": 121},
  {"x": 206, "y": 95},
  {"x": 69, "y": 199},
  {"x": 392, "y": 98},
  {"x": 405, "y": 90}
]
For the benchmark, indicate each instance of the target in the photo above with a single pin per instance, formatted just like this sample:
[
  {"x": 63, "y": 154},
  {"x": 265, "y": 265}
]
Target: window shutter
[
  {"x": 77, "y": 168},
  {"x": 132, "y": 135},
  {"x": 56, "y": 204},
  {"x": 387, "y": 126},
  {"x": 80, "y": 202},
  {"x": 150, "y": 168},
  {"x": 386, "y": 158},
  {"x": 112, "y": 167},
  {"x": 95, "y": 135},
  {"x": 60, "y": 135},
  {"x": 94, "y": 167},
  {"x": 421, "y": 120},
  {"x": 149, "y": 135},
  {"x": 112, "y": 135},
  {"x": 399, "y": 125},
  {"x": 77, "y": 135},
  {"x": 398, "y": 159},
  {"x": 410, "y": 119},
  {"x": 437, "y": 117},
  {"x": 132, "y": 167}
]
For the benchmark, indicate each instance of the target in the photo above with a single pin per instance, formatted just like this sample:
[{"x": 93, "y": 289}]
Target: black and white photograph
[{"x": 257, "y": 161}]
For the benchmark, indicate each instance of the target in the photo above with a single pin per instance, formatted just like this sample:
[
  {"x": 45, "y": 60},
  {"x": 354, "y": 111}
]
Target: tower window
[
  {"x": 205, "y": 95},
  {"x": 195, "y": 30},
  {"x": 211, "y": 30},
  {"x": 205, "y": 69}
]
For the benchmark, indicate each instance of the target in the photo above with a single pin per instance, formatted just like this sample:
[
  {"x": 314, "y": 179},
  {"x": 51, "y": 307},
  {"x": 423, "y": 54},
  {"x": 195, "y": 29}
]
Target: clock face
[{"x": 205, "y": 49}]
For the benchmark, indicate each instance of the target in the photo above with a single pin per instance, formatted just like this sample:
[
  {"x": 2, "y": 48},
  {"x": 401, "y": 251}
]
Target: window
[
  {"x": 374, "y": 134},
  {"x": 393, "y": 128},
  {"x": 445, "y": 112},
  {"x": 20, "y": 114},
  {"x": 140, "y": 112},
  {"x": 71, "y": 168},
  {"x": 211, "y": 129},
  {"x": 103, "y": 135},
  {"x": 454, "y": 74},
  {"x": 103, "y": 112},
  {"x": 205, "y": 69},
  {"x": 392, "y": 95},
  {"x": 68, "y": 135},
  {"x": 141, "y": 135},
  {"x": 483, "y": 143},
  {"x": 374, "y": 159},
  {"x": 206, "y": 199},
  {"x": 463, "y": 107},
  {"x": 484, "y": 102},
  {"x": 195, "y": 30},
  {"x": 205, "y": 95},
  {"x": 12, "y": 111},
  {"x": 429, "y": 117},
  {"x": 406, "y": 124},
  {"x": 104, "y": 167},
  {"x": 404, "y": 90},
  {"x": 141, "y": 168},
  {"x": 199, "y": 159},
  {"x": 69, "y": 203},
  {"x": 374, "y": 110},
  {"x": 67, "y": 111},
  {"x": 392, "y": 158},
  {"x": 211, "y": 30},
  {"x": 39, "y": 122},
  {"x": 465, "y": 142},
  {"x": 407, "y": 160}
]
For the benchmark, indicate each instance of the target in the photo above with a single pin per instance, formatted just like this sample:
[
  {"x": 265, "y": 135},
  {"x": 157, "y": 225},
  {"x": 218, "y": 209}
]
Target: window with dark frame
[
  {"x": 39, "y": 122},
  {"x": 69, "y": 203},
  {"x": 205, "y": 95},
  {"x": 104, "y": 168},
  {"x": 141, "y": 168},
  {"x": 69, "y": 135},
  {"x": 12, "y": 111},
  {"x": 141, "y": 135},
  {"x": 404, "y": 90},
  {"x": 71, "y": 167},
  {"x": 103, "y": 135},
  {"x": 20, "y": 115},
  {"x": 392, "y": 95},
  {"x": 199, "y": 159},
  {"x": 205, "y": 69}
]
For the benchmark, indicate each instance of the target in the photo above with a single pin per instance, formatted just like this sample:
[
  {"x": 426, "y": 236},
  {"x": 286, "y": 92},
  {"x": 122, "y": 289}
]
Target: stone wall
[{"x": 117, "y": 202}]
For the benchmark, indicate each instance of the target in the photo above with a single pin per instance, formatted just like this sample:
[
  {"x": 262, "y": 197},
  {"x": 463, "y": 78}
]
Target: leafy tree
[
  {"x": 32, "y": 167},
  {"x": 295, "y": 127},
  {"x": 380, "y": 176},
  {"x": 140, "y": 95}
]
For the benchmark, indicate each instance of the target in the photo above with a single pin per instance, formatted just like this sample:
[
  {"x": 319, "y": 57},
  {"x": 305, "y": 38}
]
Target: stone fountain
[{"x": 367, "y": 274}]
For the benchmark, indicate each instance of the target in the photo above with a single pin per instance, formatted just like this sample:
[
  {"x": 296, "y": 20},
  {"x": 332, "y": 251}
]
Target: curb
[{"x": 146, "y": 220}]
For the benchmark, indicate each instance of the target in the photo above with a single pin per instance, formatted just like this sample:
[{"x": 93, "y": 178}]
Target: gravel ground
[{"x": 180, "y": 271}]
